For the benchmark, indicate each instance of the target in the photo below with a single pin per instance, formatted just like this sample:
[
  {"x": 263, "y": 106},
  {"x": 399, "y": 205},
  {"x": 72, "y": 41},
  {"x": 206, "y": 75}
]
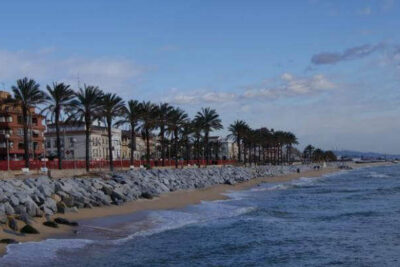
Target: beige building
[
  {"x": 140, "y": 149},
  {"x": 73, "y": 140}
]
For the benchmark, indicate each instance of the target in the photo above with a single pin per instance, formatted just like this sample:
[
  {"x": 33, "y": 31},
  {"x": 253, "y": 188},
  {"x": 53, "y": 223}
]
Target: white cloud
[
  {"x": 288, "y": 86},
  {"x": 107, "y": 73},
  {"x": 201, "y": 97}
]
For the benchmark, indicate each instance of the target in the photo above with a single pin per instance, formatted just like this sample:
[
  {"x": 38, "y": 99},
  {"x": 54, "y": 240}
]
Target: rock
[
  {"x": 25, "y": 218},
  {"x": 8, "y": 241},
  {"x": 56, "y": 197},
  {"x": 29, "y": 229},
  {"x": 50, "y": 204},
  {"x": 146, "y": 195},
  {"x": 65, "y": 221},
  {"x": 31, "y": 208},
  {"x": 12, "y": 223},
  {"x": 3, "y": 219},
  {"x": 9, "y": 210},
  {"x": 61, "y": 207},
  {"x": 50, "y": 224}
]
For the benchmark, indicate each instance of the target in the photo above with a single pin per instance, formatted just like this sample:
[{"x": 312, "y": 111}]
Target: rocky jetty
[{"x": 36, "y": 197}]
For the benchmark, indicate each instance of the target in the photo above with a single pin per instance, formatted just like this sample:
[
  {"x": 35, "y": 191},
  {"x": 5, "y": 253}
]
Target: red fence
[{"x": 98, "y": 164}]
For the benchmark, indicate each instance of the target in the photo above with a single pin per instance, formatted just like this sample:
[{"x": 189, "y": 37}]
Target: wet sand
[{"x": 172, "y": 200}]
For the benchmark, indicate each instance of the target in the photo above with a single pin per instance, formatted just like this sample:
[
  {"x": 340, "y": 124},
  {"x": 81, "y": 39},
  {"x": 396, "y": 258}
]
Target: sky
[{"x": 329, "y": 71}]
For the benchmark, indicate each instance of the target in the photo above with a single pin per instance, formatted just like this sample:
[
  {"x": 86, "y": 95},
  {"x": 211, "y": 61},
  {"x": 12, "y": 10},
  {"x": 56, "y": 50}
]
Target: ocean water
[{"x": 351, "y": 218}]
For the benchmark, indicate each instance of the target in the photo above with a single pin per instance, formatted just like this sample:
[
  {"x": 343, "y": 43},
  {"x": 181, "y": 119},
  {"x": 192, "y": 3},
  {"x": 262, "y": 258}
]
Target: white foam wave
[
  {"x": 39, "y": 253},
  {"x": 377, "y": 175},
  {"x": 166, "y": 220}
]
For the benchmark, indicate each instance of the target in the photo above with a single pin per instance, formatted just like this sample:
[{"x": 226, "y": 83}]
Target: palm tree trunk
[
  {"x": 176, "y": 147},
  {"x": 57, "y": 118},
  {"x": 87, "y": 132},
  {"x": 206, "y": 146},
  {"x": 110, "y": 148},
  {"x": 26, "y": 141}
]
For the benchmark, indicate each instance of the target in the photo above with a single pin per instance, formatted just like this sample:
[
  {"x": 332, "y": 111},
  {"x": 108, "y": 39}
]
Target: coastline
[{"x": 171, "y": 200}]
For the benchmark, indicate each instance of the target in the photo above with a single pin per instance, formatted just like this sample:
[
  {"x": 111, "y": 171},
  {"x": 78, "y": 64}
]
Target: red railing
[{"x": 98, "y": 164}]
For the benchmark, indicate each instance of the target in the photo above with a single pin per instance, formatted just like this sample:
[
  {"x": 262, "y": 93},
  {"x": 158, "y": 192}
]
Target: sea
[{"x": 350, "y": 218}]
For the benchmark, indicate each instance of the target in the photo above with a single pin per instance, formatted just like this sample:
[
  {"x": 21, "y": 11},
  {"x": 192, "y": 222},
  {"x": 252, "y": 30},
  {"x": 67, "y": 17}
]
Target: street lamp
[{"x": 7, "y": 136}]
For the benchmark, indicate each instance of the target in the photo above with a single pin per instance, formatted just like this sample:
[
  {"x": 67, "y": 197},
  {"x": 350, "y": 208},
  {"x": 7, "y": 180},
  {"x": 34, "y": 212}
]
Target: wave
[
  {"x": 167, "y": 220},
  {"x": 39, "y": 253},
  {"x": 377, "y": 175}
]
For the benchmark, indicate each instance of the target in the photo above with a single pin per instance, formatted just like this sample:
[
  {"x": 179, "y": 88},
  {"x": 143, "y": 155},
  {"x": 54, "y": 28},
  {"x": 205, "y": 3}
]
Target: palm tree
[
  {"x": 60, "y": 97},
  {"x": 197, "y": 128},
  {"x": 308, "y": 151},
  {"x": 178, "y": 118},
  {"x": 131, "y": 116},
  {"x": 187, "y": 131},
  {"x": 164, "y": 114},
  {"x": 111, "y": 106},
  {"x": 237, "y": 130},
  {"x": 291, "y": 140},
  {"x": 86, "y": 108},
  {"x": 209, "y": 120},
  {"x": 27, "y": 95},
  {"x": 148, "y": 117}
]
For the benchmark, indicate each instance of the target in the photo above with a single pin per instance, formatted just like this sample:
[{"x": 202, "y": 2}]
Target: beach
[{"x": 172, "y": 200}]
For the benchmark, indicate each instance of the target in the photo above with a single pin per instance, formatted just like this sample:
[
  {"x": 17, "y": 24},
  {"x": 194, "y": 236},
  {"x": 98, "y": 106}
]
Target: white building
[{"x": 73, "y": 140}]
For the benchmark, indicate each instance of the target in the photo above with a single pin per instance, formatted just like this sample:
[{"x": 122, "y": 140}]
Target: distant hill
[{"x": 365, "y": 155}]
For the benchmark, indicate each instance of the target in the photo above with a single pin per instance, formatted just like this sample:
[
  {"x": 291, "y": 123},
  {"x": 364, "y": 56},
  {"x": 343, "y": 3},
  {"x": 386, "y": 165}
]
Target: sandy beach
[{"x": 171, "y": 200}]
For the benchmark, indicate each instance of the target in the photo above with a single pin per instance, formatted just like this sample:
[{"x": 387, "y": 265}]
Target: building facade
[
  {"x": 11, "y": 128},
  {"x": 73, "y": 142}
]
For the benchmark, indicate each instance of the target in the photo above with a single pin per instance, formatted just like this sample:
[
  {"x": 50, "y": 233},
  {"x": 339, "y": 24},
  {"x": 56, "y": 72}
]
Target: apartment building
[
  {"x": 11, "y": 128},
  {"x": 73, "y": 142}
]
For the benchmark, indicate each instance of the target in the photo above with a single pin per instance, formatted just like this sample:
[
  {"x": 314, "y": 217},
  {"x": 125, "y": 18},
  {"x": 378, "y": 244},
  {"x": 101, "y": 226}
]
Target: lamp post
[{"x": 7, "y": 136}]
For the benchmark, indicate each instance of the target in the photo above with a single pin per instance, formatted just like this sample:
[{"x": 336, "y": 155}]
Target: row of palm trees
[
  {"x": 262, "y": 145},
  {"x": 90, "y": 104},
  {"x": 312, "y": 154},
  {"x": 172, "y": 124}
]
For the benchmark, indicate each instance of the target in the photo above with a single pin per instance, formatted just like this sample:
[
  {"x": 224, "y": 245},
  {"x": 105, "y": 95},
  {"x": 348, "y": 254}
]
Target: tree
[
  {"x": 60, "y": 98},
  {"x": 131, "y": 116},
  {"x": 238, "y": 129},
  {"x": 164, "y": 114},
  {"x": 86, "y": 107},
  {"x": 308, "y": 151},
  {"x": 27, "y": 95},
  {"x": 148, "y": 117},
  {"x": 209, "y": 121},
  {"x": 112, "y": 106},
  {"x": 178, "y": 118}
]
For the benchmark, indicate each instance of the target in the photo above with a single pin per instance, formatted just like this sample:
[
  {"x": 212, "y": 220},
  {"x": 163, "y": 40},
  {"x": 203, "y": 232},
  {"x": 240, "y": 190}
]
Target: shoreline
[{"x": 171, "y": 200}]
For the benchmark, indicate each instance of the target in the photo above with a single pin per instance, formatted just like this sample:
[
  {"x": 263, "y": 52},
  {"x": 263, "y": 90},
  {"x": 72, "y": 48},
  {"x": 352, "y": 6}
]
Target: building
[
  {"x": 73, "y": 142},
  {"x": 140, "y": 146},
  {"x": 11, "y": 126},
  {"x": 227, "y": 149}
]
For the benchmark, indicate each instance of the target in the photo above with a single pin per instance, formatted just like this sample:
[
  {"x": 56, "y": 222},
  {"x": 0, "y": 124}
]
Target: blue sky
[{"x": 326, "y": 70}]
